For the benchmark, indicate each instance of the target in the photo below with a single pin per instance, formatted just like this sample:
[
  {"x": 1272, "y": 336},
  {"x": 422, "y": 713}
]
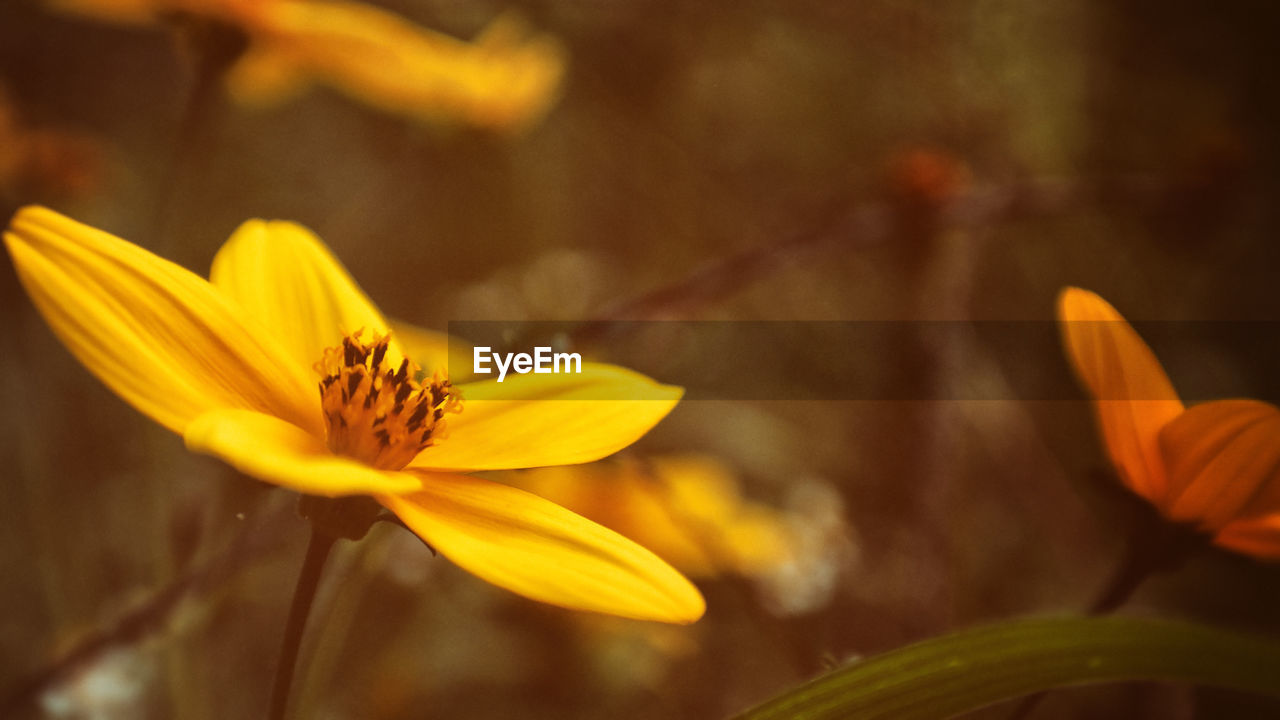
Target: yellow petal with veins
[
  {"x": 538, "y": 549},
  {"x": 1223, "y": 459},
  {"x": 158, "y": 335},
  {"x": 277, "y": 452},
  {"x": 557, "y": 419},
  {"x": 1132, "y": 395},
  {"x": 287, "y": 279}
]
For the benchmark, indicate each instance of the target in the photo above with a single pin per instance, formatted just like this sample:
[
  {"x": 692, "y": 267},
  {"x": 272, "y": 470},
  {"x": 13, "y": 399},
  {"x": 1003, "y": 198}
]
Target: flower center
[{"x": 376, "y": 413}]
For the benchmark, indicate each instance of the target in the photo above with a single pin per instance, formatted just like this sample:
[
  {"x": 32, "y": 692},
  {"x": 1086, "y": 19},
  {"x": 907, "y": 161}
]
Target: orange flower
[{"x": 1214, "y": 466}]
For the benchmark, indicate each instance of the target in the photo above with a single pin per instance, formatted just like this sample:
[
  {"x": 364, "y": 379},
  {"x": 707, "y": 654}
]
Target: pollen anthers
[{"x": 378, "y": 413}]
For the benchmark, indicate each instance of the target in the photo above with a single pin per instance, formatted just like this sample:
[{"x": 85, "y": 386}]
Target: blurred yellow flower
[
  {"x": 505, "y": 80},
  {"x": 687, "y": 509},
  {"x": 281, "y": 366},
  {"x": 1215, "y": 466}
]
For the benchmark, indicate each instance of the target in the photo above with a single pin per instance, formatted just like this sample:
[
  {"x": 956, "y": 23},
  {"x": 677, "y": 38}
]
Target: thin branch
[
  {"x": 868, "y": 225},
  {"x": 1154, "y": 546},
  {"x": 304, "y": 594},
  {"x": 150, "y": 615}
]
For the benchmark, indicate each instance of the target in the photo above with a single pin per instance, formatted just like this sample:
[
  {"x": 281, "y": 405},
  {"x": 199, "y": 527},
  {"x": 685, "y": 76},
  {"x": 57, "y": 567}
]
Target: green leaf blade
[{"x": 945, "y": 676}]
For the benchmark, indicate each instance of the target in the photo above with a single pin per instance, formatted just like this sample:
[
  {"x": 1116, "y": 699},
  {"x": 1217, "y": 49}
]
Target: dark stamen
[{"x": 418, "y": 415}]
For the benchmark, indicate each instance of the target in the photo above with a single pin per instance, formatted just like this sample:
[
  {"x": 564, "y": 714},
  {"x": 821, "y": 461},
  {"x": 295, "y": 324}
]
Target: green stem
[
  {"x": 1161, "y": 547},
  {"x": 943, "y": 677},
  {"x": 304, "y": 593}
]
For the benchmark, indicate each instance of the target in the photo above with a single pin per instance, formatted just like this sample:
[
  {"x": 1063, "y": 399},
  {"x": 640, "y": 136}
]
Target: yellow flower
[
  {"x": 688, "y": 509},
  {"x": 1214, "y": 466},
  {"x": 281, "y": 366},
  {"x": 505, "y": 80}
]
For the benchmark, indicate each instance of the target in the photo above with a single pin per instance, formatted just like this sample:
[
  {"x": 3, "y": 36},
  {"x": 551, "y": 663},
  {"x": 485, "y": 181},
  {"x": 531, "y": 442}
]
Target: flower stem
[
  {"x": 1163, "y": 547},
  {"x": 1136, "y": 565},
  {"x": 303, "y": 594},
  {"x": 213, "y": 49}
]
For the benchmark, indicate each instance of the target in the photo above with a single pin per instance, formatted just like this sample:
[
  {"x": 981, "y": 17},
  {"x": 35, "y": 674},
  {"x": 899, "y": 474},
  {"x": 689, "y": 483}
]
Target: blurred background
[{"x": 880, "y": 160}]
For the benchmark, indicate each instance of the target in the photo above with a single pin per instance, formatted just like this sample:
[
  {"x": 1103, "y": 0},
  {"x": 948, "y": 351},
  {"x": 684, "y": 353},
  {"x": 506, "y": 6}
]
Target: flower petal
[
  {"x": 538, "y": 549},
  {"x": 505, "y": 81},
  {"x": 630, "y": 500},
  {"x": 1132, "y": 395},
  {"x": 159, "y": 336},
  {"x": 283, "y": 454},
  {"x": 1223, "y": 459},
  {"x": 286, "y": 278},
  {"x": 265, "y": 77},
  {"x": 1258, "y": 537},
  {"x": 559, "y": 419},
  {"x": 433, "y": 350},
  {"x": 689, "y": 510}
]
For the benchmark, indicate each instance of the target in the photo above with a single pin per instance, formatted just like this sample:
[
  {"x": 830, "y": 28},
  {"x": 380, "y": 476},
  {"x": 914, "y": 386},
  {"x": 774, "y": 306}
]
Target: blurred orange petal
[
  {"x": 1132, "y": 395},
  {"x": 1257, "y": 537},
  {"x": 44, "y": 161},
  {"x": 1223, "y": 460}
]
